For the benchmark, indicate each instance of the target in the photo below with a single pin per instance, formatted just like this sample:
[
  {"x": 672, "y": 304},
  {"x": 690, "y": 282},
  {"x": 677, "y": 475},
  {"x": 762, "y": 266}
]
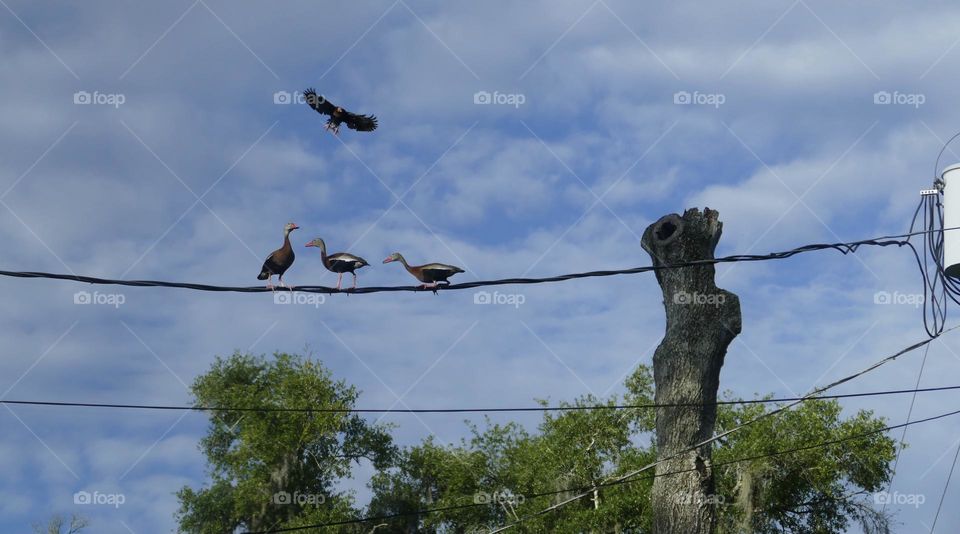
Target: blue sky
[{"x": 193, "y": 176}]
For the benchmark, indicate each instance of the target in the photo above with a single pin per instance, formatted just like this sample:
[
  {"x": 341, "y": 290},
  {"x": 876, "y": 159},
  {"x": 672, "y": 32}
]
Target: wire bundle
[{"x": 938, "y": 287}]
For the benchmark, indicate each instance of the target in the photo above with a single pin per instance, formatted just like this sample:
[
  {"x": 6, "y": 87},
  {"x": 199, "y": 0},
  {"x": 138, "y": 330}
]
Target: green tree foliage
[
  {"x": 821, "y": 490},
  {"x": 504, "y": 466},
  {"x": 503, "y": 471},
  {"x": 277, "y": 469}
]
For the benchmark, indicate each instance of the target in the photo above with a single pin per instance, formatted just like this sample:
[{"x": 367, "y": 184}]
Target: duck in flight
[{"x": 338, "y": 115}]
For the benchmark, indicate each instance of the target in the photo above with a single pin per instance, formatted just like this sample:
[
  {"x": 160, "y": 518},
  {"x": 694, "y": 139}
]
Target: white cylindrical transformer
[{"x": 951, "y": 219}]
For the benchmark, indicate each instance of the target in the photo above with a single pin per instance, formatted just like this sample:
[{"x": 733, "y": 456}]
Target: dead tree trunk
[{"x": 702, "y": 320}]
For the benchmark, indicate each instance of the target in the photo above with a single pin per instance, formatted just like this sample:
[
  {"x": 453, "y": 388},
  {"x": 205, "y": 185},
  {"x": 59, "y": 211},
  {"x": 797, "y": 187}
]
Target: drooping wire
[
  {"x": 571, "y": 408},
  {"x": 716, "y": 437},
  {"x": 903, "y": 435},
  {"x": 936, "y": 164},
  {"x": 950, "y": 284},
  {"x": 605, "y": 484},
  {"x": 946, "y": 487},
  {"x": 933, "y": 313},
  {"x": 844, "y": 248},
  {"x": 634, "y": 474},
  {"x": 938, "y": 287}
]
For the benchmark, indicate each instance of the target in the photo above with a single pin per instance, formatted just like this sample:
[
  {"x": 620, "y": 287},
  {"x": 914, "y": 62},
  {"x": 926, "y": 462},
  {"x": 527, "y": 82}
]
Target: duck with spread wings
[{"x": 338, "y": 115}]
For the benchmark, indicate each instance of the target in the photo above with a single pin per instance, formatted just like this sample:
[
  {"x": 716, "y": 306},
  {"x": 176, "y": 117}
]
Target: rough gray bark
[{"x": 702, "y": 320}]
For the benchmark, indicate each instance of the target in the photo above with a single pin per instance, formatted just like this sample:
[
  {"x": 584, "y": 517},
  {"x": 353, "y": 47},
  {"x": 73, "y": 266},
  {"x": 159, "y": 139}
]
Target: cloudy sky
[{"x": 156, "y": 140}]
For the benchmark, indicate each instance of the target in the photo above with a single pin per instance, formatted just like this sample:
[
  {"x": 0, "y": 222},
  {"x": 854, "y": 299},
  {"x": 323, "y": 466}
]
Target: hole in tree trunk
[{"x": 666, "y": 230}]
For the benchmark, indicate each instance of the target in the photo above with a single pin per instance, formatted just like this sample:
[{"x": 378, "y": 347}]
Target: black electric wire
[
  {"x": 777, "y": 411},
  {"x": 937, "y": 286},
  {"x": 275, "y": 409},
  {"x": 843, "y": 248},
  {"x": 903, "y": 435},
  {"x": 946, "y": 486},
  {"x": 633, "y": 475},
  {"x": 605, "y": 484}
]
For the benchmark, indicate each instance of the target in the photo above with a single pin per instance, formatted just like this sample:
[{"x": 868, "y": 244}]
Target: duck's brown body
[
  {"x": 431, "y": 274},
  {"x": 279, "y": 260}
]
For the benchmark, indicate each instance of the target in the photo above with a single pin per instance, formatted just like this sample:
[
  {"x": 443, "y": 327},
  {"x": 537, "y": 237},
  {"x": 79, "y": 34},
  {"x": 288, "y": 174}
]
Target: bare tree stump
[{"x": 702, "y": 320}]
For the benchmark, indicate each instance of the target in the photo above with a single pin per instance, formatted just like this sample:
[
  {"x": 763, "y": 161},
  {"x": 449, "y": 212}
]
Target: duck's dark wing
[
  {"x": 270, "y": 266},
  {"x": 278, "y": 261},
  {"x": 360, "y": 123},
  {"x": 344, "y": 262},
  {"x": 438, "y": 272},
  {"x": 318, "y": 103}
]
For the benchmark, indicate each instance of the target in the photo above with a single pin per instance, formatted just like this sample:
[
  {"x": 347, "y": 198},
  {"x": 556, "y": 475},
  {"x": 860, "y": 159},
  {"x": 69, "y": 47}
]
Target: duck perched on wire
[
  {"x": 431, "y": 274},
  {"x": 341, "y": 262},
  {"x": 279, "y": 260}
]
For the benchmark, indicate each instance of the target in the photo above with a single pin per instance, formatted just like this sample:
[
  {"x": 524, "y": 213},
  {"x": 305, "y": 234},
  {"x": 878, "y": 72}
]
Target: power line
[
  {"x": 619, "y": 482},
  {"x": 275, "y": 409},
  {"x": 626, "y": 479},
  {"x": 903, "y": 435},
  {"x": 843, "y": 248},
  {"x": 632, "y": 475},
  {"x": 938, "y": 288},
  {"x": 721, "y": 435},
  {"x": 945, "y": 488}
]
